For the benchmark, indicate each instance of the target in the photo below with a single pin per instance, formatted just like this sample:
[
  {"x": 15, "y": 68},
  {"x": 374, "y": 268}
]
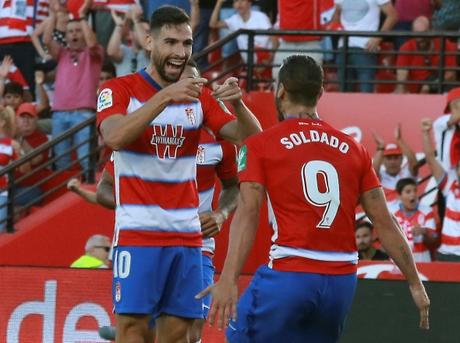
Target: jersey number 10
[{"x": 330, "y": 198}]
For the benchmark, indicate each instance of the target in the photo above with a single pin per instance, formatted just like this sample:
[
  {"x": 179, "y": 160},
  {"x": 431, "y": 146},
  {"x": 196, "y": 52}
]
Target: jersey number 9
[{"x": 330, "y": 197}]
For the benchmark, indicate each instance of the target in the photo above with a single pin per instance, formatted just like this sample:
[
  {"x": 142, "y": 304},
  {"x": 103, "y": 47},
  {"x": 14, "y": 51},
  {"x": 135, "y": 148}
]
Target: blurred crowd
[{"x": 54, "y": 54}]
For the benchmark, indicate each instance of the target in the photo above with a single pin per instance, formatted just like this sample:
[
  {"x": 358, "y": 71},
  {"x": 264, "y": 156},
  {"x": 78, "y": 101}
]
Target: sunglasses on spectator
[{"x": 107, "y": 249}]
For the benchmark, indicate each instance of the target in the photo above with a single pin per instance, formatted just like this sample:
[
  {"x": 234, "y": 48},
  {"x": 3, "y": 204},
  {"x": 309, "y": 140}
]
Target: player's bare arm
[
  {"x": 242, "y": 233},
  {"x": 104, "y": 191},
  {"x": 435, "y": 167},
  {"x": 395, "y": 244},
  {"x": 120, "y": 130},
  {"x": 246, "y": 123},
  {"x": 407, "y": 151},
  {"x": 74, "y": 185},
  {"x": 211, "y": 222}
]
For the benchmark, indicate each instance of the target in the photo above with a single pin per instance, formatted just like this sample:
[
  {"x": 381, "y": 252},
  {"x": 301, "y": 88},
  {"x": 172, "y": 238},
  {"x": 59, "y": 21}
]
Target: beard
[{"x": 160, "y": 64}]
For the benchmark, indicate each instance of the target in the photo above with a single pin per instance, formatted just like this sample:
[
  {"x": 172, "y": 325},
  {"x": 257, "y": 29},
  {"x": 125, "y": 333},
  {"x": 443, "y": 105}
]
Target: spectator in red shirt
[
  {"x": 297, "y": 15},
  {"x": 429, "y": 49},
  {"x": 29, "y": 138}
]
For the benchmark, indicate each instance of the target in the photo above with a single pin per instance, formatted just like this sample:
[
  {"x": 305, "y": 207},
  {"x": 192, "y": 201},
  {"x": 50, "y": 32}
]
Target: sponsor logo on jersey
[
  {"x": 105, "y": 99},
  {"x": 200, "y": 155},
  {"x": 242, "y": 158},
  {"x": 167, "y": 140},
  {"x": 190, "y": 115}
]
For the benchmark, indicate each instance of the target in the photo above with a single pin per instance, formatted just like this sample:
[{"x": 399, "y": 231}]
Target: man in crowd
[
  {"x": 450, "y": 234},
  {"x": 314, "y": 176},
  {"x": 365, "y": 243},
  {"x": 79, "y": 67},
  {"x": 362, "y": 16},
  {"x": 417, "y": 221},
  {"x": 388, "y": 163},
  {"x": 96, "y": 253},
  {"x": 29, "y": 137},
  {"x": 430, "y": 54},
  {"x": 155, "y": 149}
]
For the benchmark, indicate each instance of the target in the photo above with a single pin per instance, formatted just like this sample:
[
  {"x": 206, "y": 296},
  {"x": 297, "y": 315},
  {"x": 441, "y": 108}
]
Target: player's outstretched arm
[
  {"x": 74, "y": 185},
  {"x": 120, "y": 130},
  {"x": 211, "y": 222},
  {"x": 246, "y": 123},
  {"x": 242, "y": 233},
  {"x": 104, "y": 191},
  {"x": 395, "y": 244}
]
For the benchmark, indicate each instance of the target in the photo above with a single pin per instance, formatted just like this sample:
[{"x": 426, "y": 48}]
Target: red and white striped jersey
[
  {"x": 7, "y": 154},
  {"x": 450, "y": 236},
  {"x": 423, "y": 216},
  {"x": 214, "y": 158},
  {"x": 314, "y": 175},
  {"x": 19, "y": 17},
  {"x": 155, "y": 176},
  {"x": 389, "y": 182}
]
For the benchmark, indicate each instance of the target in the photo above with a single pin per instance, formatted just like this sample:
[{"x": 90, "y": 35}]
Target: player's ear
[
  {"x": 149, "y": 41},
  {"x": 281, "y": 91},
  {"x": 321, "y": 92}
]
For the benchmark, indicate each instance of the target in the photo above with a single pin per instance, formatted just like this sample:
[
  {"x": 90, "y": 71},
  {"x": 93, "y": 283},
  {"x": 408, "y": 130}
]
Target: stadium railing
[
  {"x": 61, "y": 175},
  {"x": 438, "y": 85}
]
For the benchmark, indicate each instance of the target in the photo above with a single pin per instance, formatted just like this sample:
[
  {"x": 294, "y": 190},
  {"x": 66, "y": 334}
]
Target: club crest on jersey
[
  {"x": 117, "y": 291},
  {"x": 242, "y": 158},
  {"x": 105, "y": 99},
  {"x": 190, "y": 115},
  {"x": 200, "y": 155},
  {"x": 167, "y": 140}
]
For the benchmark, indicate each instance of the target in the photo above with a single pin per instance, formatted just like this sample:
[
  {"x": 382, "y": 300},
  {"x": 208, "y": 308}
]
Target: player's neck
[
  {"x": 156, "y": 76},
  {"x": 301, "y": 112}
]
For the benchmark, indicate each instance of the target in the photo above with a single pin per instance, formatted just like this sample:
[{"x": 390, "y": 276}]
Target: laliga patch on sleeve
[
  {"x": 105, "y": 99},
  {"x": 242, "y": 158}
]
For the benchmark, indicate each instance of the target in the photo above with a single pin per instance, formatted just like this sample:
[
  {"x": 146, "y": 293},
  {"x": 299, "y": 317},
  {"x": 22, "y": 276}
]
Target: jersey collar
[{"x": 146, "y": 76}]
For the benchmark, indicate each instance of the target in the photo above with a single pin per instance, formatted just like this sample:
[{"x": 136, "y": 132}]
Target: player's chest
[
  {"x": 173, "y": 133},
  {"x": 209, "y": 154}
]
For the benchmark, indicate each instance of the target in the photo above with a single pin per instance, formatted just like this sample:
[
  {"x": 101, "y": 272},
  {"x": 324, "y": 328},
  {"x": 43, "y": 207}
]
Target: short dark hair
[
  {"x": 364, "y": 223},
  {"x": 108, "y": 67},
  {"x": 302, "y": 78},
  {"x": 402, "y": 183},
  {"x": 168, "y": 15},
  {"x": 13, "y": 88}
]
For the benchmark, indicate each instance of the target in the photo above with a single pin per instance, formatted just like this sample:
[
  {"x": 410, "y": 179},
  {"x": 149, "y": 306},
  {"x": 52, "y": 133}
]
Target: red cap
[
  {"x": 453, "y": 94},
  {"x": 27, "y": 108},
  {"x": 392, "y": 149}
]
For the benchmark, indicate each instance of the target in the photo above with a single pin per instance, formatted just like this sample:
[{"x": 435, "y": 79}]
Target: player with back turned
[{"x": 314, "y": 176}]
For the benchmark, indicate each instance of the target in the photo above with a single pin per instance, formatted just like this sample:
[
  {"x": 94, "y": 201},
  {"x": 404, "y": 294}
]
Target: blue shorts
[
  {"x": 156, "y": 280},
  {"x": 292, "y": 307},
  {"x": 208, "y": 280}
]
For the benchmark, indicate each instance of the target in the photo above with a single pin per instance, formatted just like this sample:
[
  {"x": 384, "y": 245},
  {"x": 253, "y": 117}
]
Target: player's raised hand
[
  {"x": 185, "y": 90},
  {"x": 224, "y": 297},
  {"x": 427, "y": 124},
  {"x": 228, "y": 91},
  {"x": 211, "y": 223},
  {"x": 423, "y": 304}
]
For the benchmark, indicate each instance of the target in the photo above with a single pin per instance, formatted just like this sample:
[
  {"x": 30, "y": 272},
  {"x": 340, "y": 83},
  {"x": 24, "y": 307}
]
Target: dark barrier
[{"x": 383, "y": 312}]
